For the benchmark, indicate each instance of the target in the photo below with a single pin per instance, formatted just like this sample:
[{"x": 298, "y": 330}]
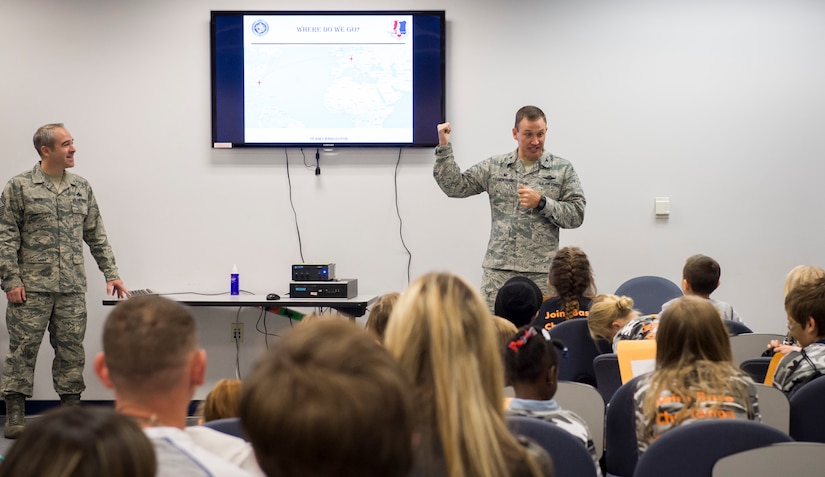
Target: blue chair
[
  {"x": 649, "y": 293},
  {"x": 621, "y": 449},
  {"x": 604, "y": 346},
  {"x": 757, "y": 367},
  {"x": 737, "y": 328},
  {"x": 808, "y": 412},
  {"x": 570, "y": 456},
  {"x": 581, "y": 350},
  {"x": 692, "y": 449},
  {"x": 608, "y": 378},
  {"x": 229, "y": 425}
]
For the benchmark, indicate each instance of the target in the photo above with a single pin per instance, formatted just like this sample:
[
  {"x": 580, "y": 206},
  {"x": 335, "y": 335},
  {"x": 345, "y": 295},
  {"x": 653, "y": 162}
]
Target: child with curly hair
[{"x": 531, "y": 365}]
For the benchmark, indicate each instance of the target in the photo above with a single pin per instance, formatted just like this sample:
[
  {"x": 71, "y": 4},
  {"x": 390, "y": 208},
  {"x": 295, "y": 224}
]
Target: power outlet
[{"x": 237, "y": 332}]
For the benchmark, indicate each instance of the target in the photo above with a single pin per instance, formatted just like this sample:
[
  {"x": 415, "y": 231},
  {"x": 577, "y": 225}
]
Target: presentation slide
[{"x": 316, "y": 78}]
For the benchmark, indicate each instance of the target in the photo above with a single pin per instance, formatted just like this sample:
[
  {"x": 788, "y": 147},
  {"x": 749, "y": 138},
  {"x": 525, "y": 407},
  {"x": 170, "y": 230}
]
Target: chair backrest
[
  {"x": 620, "y": 445},
  {"x": 649, "y": 293},
  {"x": 635, "y": 357},
  {"x": 750, "y": 345},
  {"x": 693, "y": 449},
  {"x": 737, "y": 328},
  {"x": 785, "y": 458},
  {"x": 585, "y": 401},
  {"x": 608, "y": 378},
  {"x": 774, "y": 407},
  {"x": 604, "y": 346},
  {"x": 757, "y": 367},
  {"x": 578, "y": 365},
  {"x": 570, "y": 456},
  {"x": 807, "y": 421},
  {"x": 228, "y": 425}
]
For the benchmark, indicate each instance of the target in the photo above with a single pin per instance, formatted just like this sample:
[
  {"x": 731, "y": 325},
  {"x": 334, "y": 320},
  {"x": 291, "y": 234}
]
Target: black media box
[
  {"x": 341, "y": 288},
  {"x": 313, "y": 272}
]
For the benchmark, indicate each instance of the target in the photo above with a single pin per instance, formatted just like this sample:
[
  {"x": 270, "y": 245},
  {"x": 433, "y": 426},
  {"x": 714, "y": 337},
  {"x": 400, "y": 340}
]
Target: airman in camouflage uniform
[
  {"x": 532, "y": 194},
  {"x": 45, "y": 216}
]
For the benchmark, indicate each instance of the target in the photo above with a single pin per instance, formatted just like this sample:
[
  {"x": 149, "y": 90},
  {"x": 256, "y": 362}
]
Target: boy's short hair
[
  {"x": 702, "y": 274},
  {"x": 807, "y": 300},
  {"x": 147, "y": 343},
  {"x": 531, "y": 113},
  {"x": 329, "y": 399}
]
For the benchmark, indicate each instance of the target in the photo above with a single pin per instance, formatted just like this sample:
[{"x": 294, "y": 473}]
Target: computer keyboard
[{"x": 141, "y": 291}]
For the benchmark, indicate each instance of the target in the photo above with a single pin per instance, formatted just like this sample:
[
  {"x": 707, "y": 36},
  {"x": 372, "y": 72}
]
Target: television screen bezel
[{"x": 431, "y": 139}]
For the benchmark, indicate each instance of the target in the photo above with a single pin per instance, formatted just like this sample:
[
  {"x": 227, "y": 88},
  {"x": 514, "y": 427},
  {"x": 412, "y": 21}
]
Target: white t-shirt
[
  {"x": 178, "y": 455},
  {"x": 234, "y": 449}
]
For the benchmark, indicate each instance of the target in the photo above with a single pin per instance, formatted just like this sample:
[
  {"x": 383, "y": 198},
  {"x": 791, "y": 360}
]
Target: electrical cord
[
  {"x": 292, "y": 204},
  {"x": 238, "y": 347},
  {"x": 317, "y": 163},
  {"x": 262, "y": 322},
  {"x": 400, "y": 221},
  {"x": 304, "y": 157}
]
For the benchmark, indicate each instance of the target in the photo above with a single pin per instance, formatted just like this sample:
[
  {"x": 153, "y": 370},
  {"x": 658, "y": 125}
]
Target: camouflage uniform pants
[
  {"x": 65, "y": 316},
  {"x": 492, "y": 279}
]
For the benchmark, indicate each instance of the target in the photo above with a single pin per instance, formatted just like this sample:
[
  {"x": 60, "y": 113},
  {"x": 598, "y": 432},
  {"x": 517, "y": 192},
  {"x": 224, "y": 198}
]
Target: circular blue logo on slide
[{"x": 260, "y": 27}]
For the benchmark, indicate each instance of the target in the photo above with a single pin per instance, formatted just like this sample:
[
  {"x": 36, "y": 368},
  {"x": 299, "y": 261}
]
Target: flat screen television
[{"x": 327, "y": 78}]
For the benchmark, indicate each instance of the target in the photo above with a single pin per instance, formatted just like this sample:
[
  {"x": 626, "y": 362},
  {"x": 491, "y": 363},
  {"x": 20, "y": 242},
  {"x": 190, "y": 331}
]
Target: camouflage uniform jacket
[
  {"x": 42, "y": 234},
  {"x": 521, "y": 239}
]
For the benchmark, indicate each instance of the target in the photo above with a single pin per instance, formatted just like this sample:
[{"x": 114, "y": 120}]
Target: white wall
[{"x": 716, "y": 104}]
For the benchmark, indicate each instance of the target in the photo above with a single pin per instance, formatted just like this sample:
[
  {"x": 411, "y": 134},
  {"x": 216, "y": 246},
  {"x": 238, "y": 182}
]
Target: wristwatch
[{"x": 542, "y": 203}]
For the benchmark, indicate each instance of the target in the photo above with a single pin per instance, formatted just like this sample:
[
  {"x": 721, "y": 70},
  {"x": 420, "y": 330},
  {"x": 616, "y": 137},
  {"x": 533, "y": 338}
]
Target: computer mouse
[{"x": 273, "y": 296}]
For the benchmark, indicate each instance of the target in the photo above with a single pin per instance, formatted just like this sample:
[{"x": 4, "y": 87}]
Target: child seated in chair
[
  {"x": 531, "y": 366},
  {"x": 518, "y": 300},
  {"x": 805, "y": 306},
  {"x": 797, "y": 276},
  {"x": 223, "y": 401},
  {"x": 380, "y": 314},
  {"x": 571, "y": 287},
  {"x": 700, "y": 277},
  {"x": 613, "y": 319},
  {"x": 329, "y": 401},
  {"x": 695, "y": 377},
  {"x": 505, "y": 329}
]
